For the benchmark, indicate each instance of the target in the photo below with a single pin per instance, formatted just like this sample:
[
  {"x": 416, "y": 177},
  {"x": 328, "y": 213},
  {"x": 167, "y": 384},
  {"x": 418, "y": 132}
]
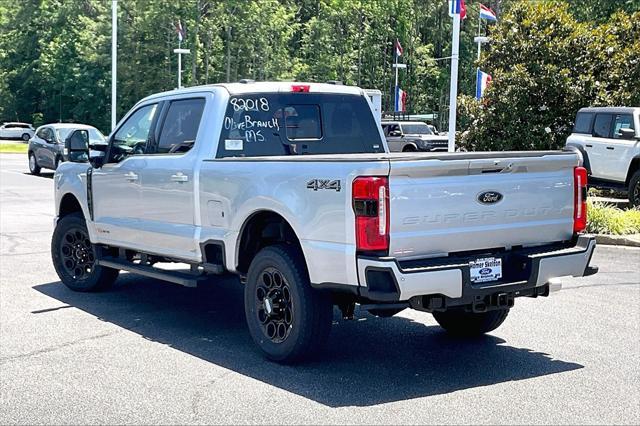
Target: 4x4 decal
[{"x": 317, "y": 184}]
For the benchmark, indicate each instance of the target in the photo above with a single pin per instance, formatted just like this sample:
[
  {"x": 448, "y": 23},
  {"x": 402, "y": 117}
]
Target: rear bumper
[{"x": 434, "y": 284}]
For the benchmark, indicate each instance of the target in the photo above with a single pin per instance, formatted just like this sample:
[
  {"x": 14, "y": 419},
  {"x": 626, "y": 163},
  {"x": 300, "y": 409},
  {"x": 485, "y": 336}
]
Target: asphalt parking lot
[{"x": 149, "y": 352}]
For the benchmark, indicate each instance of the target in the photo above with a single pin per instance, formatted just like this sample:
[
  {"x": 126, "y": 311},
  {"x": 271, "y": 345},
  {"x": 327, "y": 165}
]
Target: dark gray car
[{"x": 46, "y": 147}]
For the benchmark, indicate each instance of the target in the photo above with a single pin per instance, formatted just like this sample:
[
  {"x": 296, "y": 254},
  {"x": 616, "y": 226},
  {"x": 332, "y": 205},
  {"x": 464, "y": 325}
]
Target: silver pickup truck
[{"x": 291, "y": 187}]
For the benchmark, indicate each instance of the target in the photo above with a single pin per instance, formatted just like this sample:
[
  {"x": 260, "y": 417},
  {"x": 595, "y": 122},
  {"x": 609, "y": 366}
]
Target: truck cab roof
[{"x": 261, "y": 87}]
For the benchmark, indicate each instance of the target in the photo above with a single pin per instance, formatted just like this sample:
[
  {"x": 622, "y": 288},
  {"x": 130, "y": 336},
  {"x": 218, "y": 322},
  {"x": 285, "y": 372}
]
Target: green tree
[{"x": 545, "y": 66}]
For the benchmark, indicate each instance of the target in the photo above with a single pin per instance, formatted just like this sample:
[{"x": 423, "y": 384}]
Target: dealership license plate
[{"x": 485, "y": 270}]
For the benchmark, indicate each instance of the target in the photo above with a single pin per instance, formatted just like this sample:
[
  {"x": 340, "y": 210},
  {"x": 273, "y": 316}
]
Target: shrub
[{"x": 606, "y": 219}]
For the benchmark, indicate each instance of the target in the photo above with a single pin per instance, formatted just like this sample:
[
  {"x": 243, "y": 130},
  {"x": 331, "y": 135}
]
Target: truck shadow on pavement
[
  {"x": 368, "y": 361},
  {"x": 44, "y": 175}
]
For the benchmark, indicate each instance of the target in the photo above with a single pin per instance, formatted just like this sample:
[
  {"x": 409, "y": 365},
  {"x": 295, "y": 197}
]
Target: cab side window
[
  {"x": 132, "y": 137},
  {"x": 180, "y": 126},
  {"x": 394, "y": 128},
  {"x": 602, "y": 126},
  {"x": 622, "y": 121}
]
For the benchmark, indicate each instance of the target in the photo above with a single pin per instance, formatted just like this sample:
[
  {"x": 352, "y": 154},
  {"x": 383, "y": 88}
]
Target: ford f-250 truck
[{"x": 291, "y": 187}]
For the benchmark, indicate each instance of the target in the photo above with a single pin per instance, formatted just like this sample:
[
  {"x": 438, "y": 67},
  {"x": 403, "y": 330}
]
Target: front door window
[{"x": 132, "y": 137}]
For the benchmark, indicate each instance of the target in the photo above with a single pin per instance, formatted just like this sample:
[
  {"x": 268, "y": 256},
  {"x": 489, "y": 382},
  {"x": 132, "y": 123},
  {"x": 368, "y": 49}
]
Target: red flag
[
  {"x": 458, "y": 7},
  {"x": 180, "y": 31},
  {"x": 398, "y": 48}
]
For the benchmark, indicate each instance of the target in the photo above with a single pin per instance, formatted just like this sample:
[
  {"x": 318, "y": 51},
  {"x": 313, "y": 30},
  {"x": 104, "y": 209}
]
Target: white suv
[
  {"x": 22, "y": 131},
  {"x": 609, "y": 139}
]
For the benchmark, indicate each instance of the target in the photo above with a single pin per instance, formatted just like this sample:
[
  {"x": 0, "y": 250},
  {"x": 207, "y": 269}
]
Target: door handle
[
  {"x": 589, "y": 146},
  {"x": 131, "y": 177},
  {"x": 611, "y": 148},
  {"x": 179, "y": 177}
]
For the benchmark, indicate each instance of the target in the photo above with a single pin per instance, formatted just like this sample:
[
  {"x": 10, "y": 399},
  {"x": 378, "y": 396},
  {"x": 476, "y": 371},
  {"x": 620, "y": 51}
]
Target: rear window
[
  {"x": 258, "y": 125},
  {"x": 94, "y": 134},
  {"x": 303, "y": 122},
  {"x": 583, "y": 122}
]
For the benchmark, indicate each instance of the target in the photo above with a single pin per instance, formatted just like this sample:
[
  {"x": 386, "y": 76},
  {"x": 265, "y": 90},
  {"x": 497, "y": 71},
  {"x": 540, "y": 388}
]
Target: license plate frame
[{"x": 485, "y": 270}]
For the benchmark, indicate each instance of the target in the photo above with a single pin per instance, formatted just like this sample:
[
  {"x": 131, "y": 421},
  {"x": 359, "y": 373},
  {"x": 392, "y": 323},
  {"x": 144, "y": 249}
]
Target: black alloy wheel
[
  {"x": 274, "y": 306},
  {"x": 634, "y": 189},
  {"x": 76, "y": 253},
  {"x": 287, "y": 318},
  {"x": 75, "y": 258}
]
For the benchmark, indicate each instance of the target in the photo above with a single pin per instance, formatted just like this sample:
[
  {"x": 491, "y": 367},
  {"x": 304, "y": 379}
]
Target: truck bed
[
  {"x": 400, "y": 156},
  {"x": 434, "y": 207}
]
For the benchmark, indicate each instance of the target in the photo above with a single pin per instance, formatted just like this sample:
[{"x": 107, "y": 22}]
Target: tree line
[{"x": 55, "y": 55}]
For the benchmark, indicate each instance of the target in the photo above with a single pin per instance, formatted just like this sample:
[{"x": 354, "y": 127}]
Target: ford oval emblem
[
  {"x": 485, "y": 271},
  {"x": 489, "y": 197}
]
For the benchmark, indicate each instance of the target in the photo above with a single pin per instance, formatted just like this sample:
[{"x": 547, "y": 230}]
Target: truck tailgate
[{"x": 457, "y": 202}]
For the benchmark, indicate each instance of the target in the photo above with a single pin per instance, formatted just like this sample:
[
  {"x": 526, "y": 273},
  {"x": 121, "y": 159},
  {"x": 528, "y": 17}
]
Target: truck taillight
[
  {"x": 371, "y": 207},
  {"x": 580, "y": 199}
]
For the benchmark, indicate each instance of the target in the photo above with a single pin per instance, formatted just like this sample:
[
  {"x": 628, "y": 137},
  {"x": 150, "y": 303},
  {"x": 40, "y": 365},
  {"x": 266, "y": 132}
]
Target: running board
[{"x": 177, "y": 277}]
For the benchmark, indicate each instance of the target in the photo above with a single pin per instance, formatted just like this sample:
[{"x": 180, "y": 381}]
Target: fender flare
[
  {"x": 634, "y": 166},
  {"x": 412, "y": 144},
  {"x": 237, "y": 243}
]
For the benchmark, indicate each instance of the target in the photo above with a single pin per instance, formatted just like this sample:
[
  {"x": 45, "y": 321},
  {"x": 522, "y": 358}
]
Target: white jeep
[{"x": 609, "y": 140}]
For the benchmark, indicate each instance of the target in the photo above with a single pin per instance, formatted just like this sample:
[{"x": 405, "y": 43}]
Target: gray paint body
[{"x": 433, "y": 198}]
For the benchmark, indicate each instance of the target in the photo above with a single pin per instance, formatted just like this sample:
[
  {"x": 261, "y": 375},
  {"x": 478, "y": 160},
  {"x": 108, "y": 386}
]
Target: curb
[{"x": 619, "y": 240}]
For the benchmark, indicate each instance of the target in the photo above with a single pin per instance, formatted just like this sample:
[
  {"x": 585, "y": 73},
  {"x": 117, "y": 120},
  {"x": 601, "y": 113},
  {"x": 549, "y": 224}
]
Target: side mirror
[
  {"x": 627, "y": 133},
  {"x": 394, "y": 133},
  {"x": 76, "y": 146}
]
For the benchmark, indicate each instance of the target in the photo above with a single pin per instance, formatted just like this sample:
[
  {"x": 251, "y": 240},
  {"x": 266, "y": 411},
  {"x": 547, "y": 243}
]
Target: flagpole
[
  {"x": 114, "y": 57},
  {"x": 179, "y": 66},
  {"x": 479, "y": 45},
  {"x": 180, "y": 51},
  {"x": 453, "y": 90},
  {"x": 395, "y": 88},
  {"x": 479, "y": 29}
]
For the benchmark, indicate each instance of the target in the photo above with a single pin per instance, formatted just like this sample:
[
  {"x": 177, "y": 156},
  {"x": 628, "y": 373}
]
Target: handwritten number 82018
[{"x": 250, "y": 104}]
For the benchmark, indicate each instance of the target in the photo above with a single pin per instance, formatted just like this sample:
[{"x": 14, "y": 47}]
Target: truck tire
[
  {"x": 287, "y": 318},
  {"x": 461, "y": 323},
  {"x": 34, "y": 169},
  {"x": 74, "y": 257},
  {"x": 634, "y": 189}
]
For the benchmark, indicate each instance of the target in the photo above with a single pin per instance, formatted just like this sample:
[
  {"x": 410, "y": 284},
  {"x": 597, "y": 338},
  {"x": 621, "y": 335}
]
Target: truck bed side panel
[{"x": 231, "y": 191}]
